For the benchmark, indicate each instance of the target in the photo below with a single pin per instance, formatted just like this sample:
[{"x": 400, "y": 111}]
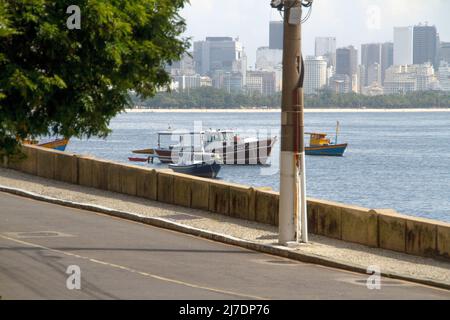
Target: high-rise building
[
  {"x": 425, "y": 45},
  {"x": 387, "y": 58},
  {"x": 276, "y": 32},
  {"x": 270, "y": 60},
  {"x": 444, "y": 52},
  {"x": 374, "y": 74},
  {"x": 340, "y": 83},
  {"x": 347, "y": 61},
  {"x": 326, "y": 47},
  {"x": 219, "y": 53},
  {"x": 185, "y": 66},
  {"x": 186, "y": 82},
  {"x": 370, "y": 56},
  {"x": 407, "y": 78},
  {"x": 315, "y": 74},
  {"x": 231, "y": 82},
  {"x": 444, "y": 76},
  {"x": 267, "y": 58},
  {"x": 261, "y": 82},
  {"x": 403, "y": 45}
]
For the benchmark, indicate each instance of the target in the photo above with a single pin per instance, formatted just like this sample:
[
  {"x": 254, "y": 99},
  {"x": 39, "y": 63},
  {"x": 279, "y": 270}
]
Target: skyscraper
[
  {"x": 276, "y": 35},
  {"x": 424, "y": 50},
  {"x": 219, "y": 53},
  {"x": 387, "y": 58},
  {"x": 347, "y": 61},
  {"x": 315, "y": 74},
  {"x": 444, "y": 52},
  {"x": 403, "y": 45},
  {"x": 370, "y": 56},
  {"x": 326, "y": 47}
]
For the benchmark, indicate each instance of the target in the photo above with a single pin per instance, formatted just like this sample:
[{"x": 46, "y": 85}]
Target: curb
[{"x": 263, "y": 248}]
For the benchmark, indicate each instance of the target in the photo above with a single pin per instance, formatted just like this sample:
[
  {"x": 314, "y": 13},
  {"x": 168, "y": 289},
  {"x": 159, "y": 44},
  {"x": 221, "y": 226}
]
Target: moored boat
[
  {"x": 199, "y": 169},
  {"x": 59, "y": 144},
  {"x": 320, "y": 145},
  {"x": 224, "y": 144}
]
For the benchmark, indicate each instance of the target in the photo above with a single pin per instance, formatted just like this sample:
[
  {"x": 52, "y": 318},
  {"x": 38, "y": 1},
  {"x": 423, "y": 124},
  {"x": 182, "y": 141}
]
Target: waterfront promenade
[{"x": 22, "y": 215}]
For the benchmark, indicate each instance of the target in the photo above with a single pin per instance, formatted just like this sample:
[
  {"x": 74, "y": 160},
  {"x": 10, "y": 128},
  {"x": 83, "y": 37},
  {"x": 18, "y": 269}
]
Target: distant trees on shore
[{"x": 211, "y": 98}]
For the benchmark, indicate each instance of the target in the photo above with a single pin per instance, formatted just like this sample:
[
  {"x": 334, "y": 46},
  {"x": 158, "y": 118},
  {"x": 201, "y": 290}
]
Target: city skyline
[{"x": 370, "y": 21}]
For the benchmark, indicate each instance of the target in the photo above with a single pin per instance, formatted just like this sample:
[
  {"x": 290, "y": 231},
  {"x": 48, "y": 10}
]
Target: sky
[{"x": 352, "y": 22}]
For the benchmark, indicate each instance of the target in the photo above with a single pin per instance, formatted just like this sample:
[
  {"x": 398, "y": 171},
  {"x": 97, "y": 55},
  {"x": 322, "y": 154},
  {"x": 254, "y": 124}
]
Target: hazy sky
[{"x": 350, "y": 21}]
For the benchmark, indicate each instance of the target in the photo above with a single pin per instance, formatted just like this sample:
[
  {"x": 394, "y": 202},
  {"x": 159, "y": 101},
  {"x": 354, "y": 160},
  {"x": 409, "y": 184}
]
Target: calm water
[{"x": 394, "y": 160}]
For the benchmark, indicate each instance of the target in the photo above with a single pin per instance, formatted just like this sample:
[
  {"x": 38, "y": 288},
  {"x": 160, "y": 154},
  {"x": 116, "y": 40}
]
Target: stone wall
[{"x": 374, "y": 228}]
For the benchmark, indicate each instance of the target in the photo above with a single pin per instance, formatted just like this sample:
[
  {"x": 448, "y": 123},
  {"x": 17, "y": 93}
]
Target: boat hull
[
  {"x": 204, "y": 170},
  {"x": 329, "y": 151},
  {"x": 59, "y": 144},
  {"x": 247, "y": 153}
]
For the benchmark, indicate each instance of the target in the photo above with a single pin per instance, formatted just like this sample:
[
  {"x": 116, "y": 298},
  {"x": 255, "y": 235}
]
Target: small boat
[
  {"x": 144, "y": 151},
  {"x": 59, "y": 144},
  {"x": 199, "y": 169},
  {"x": 320, "y": 145},
  {"x": 225, "y": 144},
  {"x": 136, "y": 159}
]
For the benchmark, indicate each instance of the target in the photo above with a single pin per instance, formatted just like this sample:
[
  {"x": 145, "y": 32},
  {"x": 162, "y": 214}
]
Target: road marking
[{"x": 145, "y": 274}]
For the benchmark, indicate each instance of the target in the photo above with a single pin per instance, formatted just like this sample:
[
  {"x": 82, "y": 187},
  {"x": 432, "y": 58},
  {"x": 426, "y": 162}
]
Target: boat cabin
[{"x": 318, "y": 139}]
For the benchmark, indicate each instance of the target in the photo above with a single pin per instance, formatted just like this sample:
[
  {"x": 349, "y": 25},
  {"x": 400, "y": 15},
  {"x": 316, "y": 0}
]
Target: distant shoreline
[{"x": 249, "y": 110}]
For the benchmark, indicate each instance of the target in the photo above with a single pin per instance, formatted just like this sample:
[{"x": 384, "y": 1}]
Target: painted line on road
[
  {"x": 131, "y": 270},
  {"x": 274, "y": 250}
]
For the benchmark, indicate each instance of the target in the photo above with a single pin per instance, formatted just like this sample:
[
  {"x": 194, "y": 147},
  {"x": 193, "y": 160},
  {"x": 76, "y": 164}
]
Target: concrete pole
[{"x": 292, "y": 209}]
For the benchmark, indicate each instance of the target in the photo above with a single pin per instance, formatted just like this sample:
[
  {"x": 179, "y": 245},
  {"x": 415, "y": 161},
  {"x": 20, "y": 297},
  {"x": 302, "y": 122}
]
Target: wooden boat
[
  {"x": 144, "y": 151},
  {"x": 320, "y": 145},
  {"x": 59, "y": 144},
  {"x": 224, "y": 144},
  {"x": 200, "y": 169},
  {"x": 136, "y": 159}
]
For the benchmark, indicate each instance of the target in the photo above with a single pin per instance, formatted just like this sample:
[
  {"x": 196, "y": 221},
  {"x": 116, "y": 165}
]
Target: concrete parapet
[
  {"x": 128, "y": 179},
  {"x": 147, "y": 184},
  {"x": 359, "y": 225},
  {"x": 28, "y": 163},
  {"x": 200, "y": 193},
  {"x": 328, "y": 218},
  {"x": 421, "y": 237},
  {"x": 66, "y": 167},
  {"x": 182, "y": 186},
  {"x": 443, "y": 240},
  {"x": 242, "y": 202},
  {"x": 45, "y": 163},
  {"x": 219, "y": 197},
  {"x": 391, "y": 230},
  {"x": 85, "y": 170},
  {"x": 114, "y": 177},
  {"x": 165, "y": 187},
  {"x": 100, "y": 174},
  {"x": 266, "y": 207}
]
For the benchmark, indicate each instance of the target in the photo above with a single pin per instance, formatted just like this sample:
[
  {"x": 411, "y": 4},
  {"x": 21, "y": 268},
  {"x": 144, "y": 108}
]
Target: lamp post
[{"x": 292, "y": 208}]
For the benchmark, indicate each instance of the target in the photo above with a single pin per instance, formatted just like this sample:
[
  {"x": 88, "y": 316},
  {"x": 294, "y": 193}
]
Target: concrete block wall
[{"x": 381, "y": 228}]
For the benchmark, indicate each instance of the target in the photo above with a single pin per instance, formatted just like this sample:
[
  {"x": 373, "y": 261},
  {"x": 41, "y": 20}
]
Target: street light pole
[{"x": 292, "y": 208}]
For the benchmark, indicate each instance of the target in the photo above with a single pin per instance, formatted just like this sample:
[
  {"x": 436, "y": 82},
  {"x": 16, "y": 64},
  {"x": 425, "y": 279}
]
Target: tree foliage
[
  {"x": 72, "y": 82},
  {"x": 208, "y": 97}
]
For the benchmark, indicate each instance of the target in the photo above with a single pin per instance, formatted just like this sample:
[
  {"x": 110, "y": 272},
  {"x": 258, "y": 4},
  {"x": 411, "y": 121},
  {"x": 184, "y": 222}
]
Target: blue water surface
[{"x": 394, "y": 160}]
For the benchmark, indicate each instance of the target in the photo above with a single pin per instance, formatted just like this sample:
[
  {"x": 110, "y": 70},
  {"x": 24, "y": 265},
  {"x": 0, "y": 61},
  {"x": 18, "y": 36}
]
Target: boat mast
[{"x": 337, "y": 133}]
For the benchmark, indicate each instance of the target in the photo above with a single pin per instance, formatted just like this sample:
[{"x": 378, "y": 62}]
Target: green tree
[{"x": 72, "y": 82}]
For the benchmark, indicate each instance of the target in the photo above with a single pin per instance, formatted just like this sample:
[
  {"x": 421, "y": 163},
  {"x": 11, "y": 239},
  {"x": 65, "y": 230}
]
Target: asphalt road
[{"x": 120, "y": 259}]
